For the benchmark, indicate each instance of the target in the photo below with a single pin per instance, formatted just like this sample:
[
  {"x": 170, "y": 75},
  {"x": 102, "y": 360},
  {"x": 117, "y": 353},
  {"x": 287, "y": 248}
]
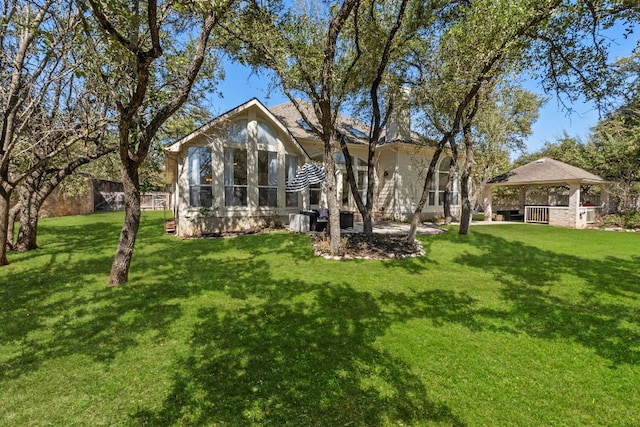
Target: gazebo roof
[{"x": 546, "y": 171}]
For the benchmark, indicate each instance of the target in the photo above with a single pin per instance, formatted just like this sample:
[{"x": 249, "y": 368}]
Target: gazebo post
[{"x": 576, "y": 221}]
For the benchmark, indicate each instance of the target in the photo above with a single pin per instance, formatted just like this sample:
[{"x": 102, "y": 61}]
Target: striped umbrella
[{"x": 309, "y": 173}]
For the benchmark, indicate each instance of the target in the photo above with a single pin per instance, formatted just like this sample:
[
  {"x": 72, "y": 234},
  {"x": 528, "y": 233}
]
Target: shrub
[
  {"x": 613, "y": 220},
  {"x": 632, "y": 219},
  {"x": 629, "y": 219}
]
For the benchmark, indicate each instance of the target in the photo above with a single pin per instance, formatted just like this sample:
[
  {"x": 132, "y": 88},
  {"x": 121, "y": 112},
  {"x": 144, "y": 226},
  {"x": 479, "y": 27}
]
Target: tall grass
[{"x": 510, "y": 325}]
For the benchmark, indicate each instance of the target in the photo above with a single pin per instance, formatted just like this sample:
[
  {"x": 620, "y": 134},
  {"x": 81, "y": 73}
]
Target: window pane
[
  {"x": 445, "y": 164},
  {"x": 273, "y": 169},
  {"x": 200, "y": 177},
  {"x": 291, "y": 200},
  {"x": 268, "y": 197},
  {"x": 194, "y": 196},
  {"x": 345, "y": 189},
  {"x": 268, "y": 168},
  {"x": 200, "y": 167},
  {"x": 442, "y": 183},
  {"x": 237, "y": 132},
  {"x": 263, "y": 170},
  {"x": 206, "y": 196},
  {"x": 266, "y": 135},
  {"x": 291, "y": 167},
  {"x": 235, "y": 196},
  {"x": 314, "y": 194},
  {"x": 235, "y": 177},
  {"x": 239, "y": 166}
]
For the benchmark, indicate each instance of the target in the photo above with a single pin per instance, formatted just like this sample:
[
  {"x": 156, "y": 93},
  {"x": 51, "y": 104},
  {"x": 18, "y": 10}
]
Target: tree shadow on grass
[
  {"x": 599, "y": 311},
  {"x": 61, "y": 306},
  {"x": 290, "y": 360}
]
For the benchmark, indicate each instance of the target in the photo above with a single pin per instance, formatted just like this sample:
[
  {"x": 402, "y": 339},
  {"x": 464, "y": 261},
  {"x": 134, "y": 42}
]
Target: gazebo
[{"x": 550, "y": 192}]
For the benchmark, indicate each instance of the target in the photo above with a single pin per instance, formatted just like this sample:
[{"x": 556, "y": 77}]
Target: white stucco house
[{"x": 231, "y": 174}]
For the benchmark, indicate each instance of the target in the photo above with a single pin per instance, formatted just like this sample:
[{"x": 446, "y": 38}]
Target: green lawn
[{"x": 513, "y": 325}]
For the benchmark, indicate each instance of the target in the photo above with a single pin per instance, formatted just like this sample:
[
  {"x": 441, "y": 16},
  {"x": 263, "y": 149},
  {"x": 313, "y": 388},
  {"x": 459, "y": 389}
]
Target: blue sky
[{"x": 240, "y": 85}]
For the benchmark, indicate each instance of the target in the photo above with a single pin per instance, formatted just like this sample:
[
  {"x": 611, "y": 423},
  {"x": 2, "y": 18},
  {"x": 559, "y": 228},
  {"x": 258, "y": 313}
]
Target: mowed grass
[{"x": 512, "y": 325}]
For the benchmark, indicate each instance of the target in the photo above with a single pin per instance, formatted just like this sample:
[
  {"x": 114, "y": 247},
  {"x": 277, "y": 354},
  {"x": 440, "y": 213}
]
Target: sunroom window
[
  {"x": 267, "y": 178},
  {"x": 235, "y": 177},
  {"x": 237, "y": 132},
  {"x": 291, "y": 167},
  {"x": 266, "y": 136},
  {"x": 200, "y": 177}
]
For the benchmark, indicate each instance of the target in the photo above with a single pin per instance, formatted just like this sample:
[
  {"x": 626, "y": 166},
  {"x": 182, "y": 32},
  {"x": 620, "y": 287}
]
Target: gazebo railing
[
  {"x": 592, "y": 212},
  {"x": 536, "y": 214}
]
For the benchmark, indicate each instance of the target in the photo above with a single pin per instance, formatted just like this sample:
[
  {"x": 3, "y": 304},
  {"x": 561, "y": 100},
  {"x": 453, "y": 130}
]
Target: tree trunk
[
  {"x": 417, "y": 213},
  {"x": 332, "y": 197},
  {"x": 29, "y": 212},
  {"x": 13, "y": 214},
  {"x": 5, "y": 196},
  {"x": 465, "y": 219},
  {"x": 448, "y": 191},
  {"x": 122, "y": 261},
  {"x": 365, "y": 210}
]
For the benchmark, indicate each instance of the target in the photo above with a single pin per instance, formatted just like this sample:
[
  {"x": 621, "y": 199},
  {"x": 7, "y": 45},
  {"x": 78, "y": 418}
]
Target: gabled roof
[
  {"x": 354, "y": 130},
  {"x": 228, "y": 116},
  {"x": 546, "y": 171}
]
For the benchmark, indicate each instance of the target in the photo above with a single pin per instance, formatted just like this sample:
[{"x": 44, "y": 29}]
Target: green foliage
[
  {"x": 566, "y": 149},
  {"x": 256, "y": 330},
  {"x": 629, "y": 220}
]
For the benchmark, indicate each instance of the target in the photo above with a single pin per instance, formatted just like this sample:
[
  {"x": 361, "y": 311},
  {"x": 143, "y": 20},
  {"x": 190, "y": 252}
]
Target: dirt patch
[{"x": 360, "y": 246}]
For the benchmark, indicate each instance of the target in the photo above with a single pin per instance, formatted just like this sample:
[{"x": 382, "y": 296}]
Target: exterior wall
[
  {"x": 411, "y": 166},
  {"x": 561, "y": 216},
  {"x": 386, "y": 187},
  {"x": 194, "y": 221},
  {"x": 200, "y": 225}
]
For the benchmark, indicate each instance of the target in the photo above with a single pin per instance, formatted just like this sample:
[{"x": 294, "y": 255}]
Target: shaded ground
[{"x": 377, "y": 246}]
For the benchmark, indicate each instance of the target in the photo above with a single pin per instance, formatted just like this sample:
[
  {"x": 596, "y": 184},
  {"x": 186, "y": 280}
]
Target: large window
[
  {"x": 439, "y": 184},
  {"x": 235, "y": 177},
  {"x": 291, "y": 167},
  {"x": 267, "y": 178},
  {"x": 200, "y": 177},
  {"x": 443, "y": 177}
]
